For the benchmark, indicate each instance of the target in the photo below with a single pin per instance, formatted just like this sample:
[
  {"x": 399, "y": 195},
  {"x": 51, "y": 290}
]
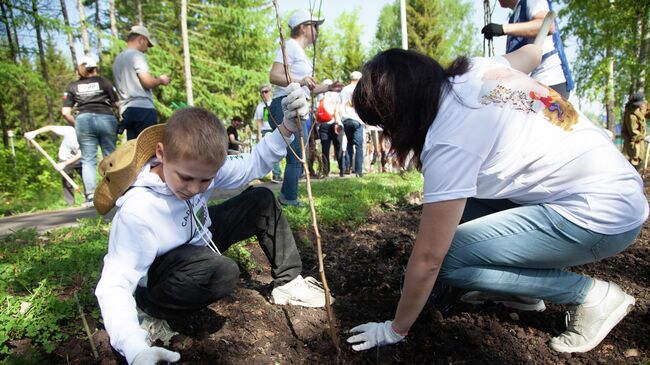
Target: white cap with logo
[
  {"x": 88, "y": 60},
  {"x": 303, "y": 16}
]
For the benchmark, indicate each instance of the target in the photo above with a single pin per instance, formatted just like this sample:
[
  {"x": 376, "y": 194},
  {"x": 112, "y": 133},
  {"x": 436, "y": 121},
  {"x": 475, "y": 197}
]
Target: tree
[
  {"x": 186, "y": 54},
  {"x": 388, "y": 33},
  {"x": 85, "y": 40},
  {"x": 68, "y": 32},
  {"x": 349, "y": 41},
  {"x": 41, "y": 55},
  {"x": 609, "y": 49}
]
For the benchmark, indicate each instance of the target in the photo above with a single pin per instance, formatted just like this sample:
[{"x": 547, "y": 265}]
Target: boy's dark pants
[{"x": 189, "y": 278}]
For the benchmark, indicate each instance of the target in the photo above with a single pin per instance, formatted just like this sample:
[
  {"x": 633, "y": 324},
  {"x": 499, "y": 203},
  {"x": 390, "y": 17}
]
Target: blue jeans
[
  {"x": 135, "y": 120},
  {"x": 354, "y": 134},
  {"x": 523, "y": 251},
  {"x": 293, "y": 169},
  {"x": 277, "y": 171},
  {"x": 94, "y": 130}
]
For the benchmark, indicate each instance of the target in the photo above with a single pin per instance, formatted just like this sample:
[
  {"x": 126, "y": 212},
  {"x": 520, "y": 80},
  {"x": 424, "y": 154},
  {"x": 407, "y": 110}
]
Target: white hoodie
[{"x": 151, "y": 221}]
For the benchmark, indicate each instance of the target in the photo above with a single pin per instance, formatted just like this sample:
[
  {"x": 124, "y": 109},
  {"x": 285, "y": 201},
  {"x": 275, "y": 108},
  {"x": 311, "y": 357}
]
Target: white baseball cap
[
  {"x": 89, "y": 61},
  {"x": 303, "y": 16},
  {"x": 355, "y": 75},
  {"x": 139, "y": 29}
]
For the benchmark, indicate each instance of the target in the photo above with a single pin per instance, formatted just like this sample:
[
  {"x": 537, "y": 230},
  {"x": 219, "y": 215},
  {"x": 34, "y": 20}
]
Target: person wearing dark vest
[{"x": 525, "y": 22}]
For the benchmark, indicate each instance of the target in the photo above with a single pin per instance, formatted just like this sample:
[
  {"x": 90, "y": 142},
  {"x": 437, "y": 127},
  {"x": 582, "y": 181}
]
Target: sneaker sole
[
  {"x": 617, "y": 315},
  {"x": 537, "y": 307}
]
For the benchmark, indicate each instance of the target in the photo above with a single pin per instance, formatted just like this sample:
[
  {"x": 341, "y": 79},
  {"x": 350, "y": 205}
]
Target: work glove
[
  {"x": 152, "y": 355},
  {"x": 294, "y": 104},
  {"x": 374, "y": 334},
  {"x": 60, "y": 166},
  {"x": 29, "y": 136},
  {"x": 492, "y": 30}
]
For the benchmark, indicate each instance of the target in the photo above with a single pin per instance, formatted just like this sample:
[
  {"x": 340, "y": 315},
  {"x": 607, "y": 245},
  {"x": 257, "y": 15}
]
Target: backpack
[{"x": 322, "y": 115}]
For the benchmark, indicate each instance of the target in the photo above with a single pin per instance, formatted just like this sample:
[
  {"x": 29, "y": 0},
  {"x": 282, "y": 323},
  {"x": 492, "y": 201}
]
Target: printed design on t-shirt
[
  {"x": 558, "y": 111},
  {"x": 90, "y": 88},
  {"x": 503, "y": 86}
]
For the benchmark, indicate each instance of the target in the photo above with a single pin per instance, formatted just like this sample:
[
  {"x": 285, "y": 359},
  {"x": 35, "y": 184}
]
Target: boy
[{"x": 162, "y": 246}]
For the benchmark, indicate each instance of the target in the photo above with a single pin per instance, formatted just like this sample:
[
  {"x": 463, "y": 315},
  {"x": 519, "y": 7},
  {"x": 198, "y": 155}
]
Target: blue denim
[
  {"x": 94, "y": 130},
  {"x": 135, "y": 120},
  {"x": 293, "y": 169},
  {"x": 523, "y": 251},
  {"x": 328, "y": 136},
  {"x": 354, "y": 134},
  {"x": 277, "y": 171}
]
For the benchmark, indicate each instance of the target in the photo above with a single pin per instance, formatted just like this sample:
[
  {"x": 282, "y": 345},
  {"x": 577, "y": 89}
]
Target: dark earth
[{"x": 364, "y": 266}]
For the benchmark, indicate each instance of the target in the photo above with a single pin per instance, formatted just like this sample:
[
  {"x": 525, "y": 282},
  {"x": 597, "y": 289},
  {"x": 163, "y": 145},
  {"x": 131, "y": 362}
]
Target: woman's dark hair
[{"x": 400, "y": 92}]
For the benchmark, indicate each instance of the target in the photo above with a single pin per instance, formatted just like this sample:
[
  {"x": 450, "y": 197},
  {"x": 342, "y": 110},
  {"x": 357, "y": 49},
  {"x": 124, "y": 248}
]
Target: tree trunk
[
  {"x": 643, "y": 49},
  {"x": 3, "y": 124},
  {"x": 82, "y": 26},
  {"x": 12, "y": 52},
  {"x": 98, "y": 24},
  {"x": 111, "y": 12},
  {"x": 609, "y": 95},
  {"x": 138, "y": 5},
  {"x": 26, "y": 116},
  {"x": 41, "y": 54},
  {"x": 68, "y": 32},
  {"x": 186, "y": 54}
]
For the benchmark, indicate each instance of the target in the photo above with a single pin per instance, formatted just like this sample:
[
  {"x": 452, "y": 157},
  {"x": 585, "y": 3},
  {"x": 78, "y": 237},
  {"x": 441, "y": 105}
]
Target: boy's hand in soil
[
  {"x": 152, "y": 355},
  {"x": 374, "y": 334}
]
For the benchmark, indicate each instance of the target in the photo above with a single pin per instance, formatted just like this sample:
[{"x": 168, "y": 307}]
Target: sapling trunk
[{"x": 303, "y": 161}]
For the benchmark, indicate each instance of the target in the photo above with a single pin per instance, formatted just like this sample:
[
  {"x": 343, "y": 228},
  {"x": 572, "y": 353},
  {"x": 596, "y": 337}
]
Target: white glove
[
  {"x": 60, "y": 166},
  {"x": 152, "y": 355},
  {"x": 294, "y": 104},
  {"x": 374, "y": 334},
  {"x": 29, "y": 135}
]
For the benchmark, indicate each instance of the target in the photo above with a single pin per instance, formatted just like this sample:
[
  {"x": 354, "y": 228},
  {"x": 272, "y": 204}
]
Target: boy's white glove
[
  {"x": 295, "y": 103},
  {"x": 374, "y": 334},
  {"x": 29, "y": 135},
  {"x": 152, "y": 355}
]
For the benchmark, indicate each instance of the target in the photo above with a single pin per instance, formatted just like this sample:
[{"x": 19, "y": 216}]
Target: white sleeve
[
  {"x": 239, "y": 170},
  {"x": 131, "y": 251},
  {"x": 450, "y": 172},
  {"x": 536, "y": 6},
  {"x": 259, "y": 112},
  {"x": 140, "y": 63}
]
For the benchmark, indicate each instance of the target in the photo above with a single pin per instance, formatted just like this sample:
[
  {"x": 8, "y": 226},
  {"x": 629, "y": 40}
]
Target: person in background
[
  {"x": 526, "y": 175},
  {"x": 525, "y": 22},
  {"x": 95, "y": 100},
  {"x": 134, "y": 83},
  {"x": 261, "y": 118},
  {"x": 304, "y": 31},
  {"x": 69, "y": 156},
  {"x": 633, "y": 129},
  {"x": 330, "y": 131},
  {"x": 352, "y": 124},
  {"x": 233, "y": 136}
]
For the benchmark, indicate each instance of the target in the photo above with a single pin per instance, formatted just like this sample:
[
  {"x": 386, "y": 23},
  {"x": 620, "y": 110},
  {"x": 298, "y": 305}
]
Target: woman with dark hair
[
  {"x": 94, "y": 98},
  {"x": 527, "y": 176}
]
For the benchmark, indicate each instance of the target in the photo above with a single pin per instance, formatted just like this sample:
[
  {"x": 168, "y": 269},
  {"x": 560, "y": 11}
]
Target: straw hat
[{"x": 120, "y": 169}]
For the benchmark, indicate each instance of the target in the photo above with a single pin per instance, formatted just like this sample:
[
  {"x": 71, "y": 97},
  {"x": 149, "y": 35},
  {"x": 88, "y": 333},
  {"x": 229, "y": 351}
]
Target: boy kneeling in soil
[{"x": 163, "y": 247}]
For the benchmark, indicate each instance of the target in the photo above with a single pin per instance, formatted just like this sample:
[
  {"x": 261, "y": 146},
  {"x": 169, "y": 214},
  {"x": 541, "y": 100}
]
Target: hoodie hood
[{"x": 147, "y": 179}]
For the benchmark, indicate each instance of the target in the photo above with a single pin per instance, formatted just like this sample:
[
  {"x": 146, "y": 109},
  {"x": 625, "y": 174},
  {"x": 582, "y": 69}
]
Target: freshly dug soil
[{"x": 364, "y": 267}]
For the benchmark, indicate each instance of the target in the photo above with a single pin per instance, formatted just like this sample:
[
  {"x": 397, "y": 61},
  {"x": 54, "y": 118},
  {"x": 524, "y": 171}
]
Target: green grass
[
  {"x": 348, "y": 201},
  {"x": 40, "y": 273}
]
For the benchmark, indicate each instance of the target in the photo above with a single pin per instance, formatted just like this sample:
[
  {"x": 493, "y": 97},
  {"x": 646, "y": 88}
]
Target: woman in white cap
[
  {"x": 304, "y": 31},
  {"x": 94, "y": 97}
]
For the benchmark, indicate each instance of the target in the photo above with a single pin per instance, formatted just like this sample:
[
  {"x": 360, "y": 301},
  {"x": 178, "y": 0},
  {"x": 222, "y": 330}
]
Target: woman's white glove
[
  {"x": 295, "y": 103},
  {"x": 374, "y": 334},
  {"x": 152, "y": 355}
]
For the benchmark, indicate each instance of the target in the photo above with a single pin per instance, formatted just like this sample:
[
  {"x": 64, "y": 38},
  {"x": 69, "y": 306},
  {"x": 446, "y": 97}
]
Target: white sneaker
[
  {"x": 307, "y": 292},
  {"x": 588, "y": 326},
  {"x": 510, "y": 301},
  {"x": 157, "y": 329}
]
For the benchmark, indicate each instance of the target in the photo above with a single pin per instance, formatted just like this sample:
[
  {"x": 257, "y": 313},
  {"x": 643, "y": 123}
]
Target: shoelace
[{"x": 312, "y": 282}]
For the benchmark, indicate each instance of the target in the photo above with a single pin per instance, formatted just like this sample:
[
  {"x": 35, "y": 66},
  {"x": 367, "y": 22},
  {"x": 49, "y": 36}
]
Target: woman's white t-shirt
[
  {"x": 299, "y": 66},
  {"x": 498, "y": 135}
]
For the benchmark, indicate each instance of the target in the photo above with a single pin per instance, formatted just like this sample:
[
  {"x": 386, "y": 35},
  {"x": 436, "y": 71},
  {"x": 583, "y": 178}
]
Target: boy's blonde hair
[{"x": 197, "y": 134}]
